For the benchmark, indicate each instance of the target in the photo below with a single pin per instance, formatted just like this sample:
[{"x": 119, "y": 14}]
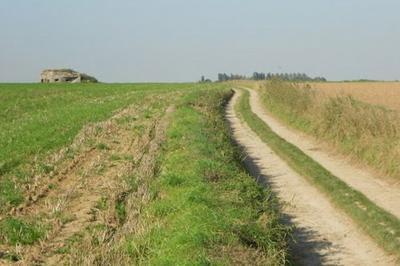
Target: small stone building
[{"x": 64, "y": 75}]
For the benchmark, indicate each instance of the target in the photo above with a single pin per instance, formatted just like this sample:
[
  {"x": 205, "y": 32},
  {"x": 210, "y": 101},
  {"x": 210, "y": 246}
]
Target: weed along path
[
  {"x": 381, "y": 192},
  {"x": 323, "y": 234}
]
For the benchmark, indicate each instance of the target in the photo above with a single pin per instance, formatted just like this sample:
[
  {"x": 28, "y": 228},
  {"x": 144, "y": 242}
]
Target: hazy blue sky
[{"x": 179, "y": 40}]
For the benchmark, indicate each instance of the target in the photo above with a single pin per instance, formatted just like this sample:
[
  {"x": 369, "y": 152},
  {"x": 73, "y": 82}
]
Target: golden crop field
[{"x": 381, "y": 93}]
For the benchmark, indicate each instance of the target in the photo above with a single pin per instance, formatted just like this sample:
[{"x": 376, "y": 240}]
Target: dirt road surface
[
  {"x": 382, "y": 192},
  {"x": 323, "y": 235}
]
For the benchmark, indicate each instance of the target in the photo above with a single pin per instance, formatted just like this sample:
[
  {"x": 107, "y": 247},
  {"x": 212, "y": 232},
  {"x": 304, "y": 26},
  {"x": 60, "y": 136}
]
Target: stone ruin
[{"x": 65, "y": 75}]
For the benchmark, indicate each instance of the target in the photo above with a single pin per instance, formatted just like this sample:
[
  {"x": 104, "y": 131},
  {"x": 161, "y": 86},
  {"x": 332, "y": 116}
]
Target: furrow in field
[{"x": 87, "y": 192}]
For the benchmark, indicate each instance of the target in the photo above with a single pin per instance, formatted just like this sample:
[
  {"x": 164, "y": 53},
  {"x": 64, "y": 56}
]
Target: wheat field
[{"x": 379, "y": 93}]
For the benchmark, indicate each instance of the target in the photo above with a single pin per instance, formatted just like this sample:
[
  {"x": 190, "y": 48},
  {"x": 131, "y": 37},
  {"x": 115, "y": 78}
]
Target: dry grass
[
  {"x": 282, "y": 97},
  {"x": 386, "y": 94},
  {"x": 366, "y": 132}
]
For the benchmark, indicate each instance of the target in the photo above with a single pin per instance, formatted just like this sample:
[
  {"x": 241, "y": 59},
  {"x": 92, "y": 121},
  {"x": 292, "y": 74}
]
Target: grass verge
[
  {"x": 383, "y": 227},
  {"x": 205, "y": 209}
]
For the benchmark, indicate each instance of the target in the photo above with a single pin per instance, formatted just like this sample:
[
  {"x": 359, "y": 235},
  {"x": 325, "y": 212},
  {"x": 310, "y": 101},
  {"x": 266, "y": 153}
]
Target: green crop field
[
  {"x": 131, "y": 173},
  {"x": 39, "y": 119}
]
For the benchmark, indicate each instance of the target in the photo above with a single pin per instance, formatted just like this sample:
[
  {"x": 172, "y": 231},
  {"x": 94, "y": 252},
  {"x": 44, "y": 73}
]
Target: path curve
[
  {"x": 323, "y": 234},
  {"x": 379, "y": 191}
]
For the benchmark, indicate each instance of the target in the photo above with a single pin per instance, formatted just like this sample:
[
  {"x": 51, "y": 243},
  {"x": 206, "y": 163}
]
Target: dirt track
[
  {"x": 382, "y": 192},
  {"x": 323, "y": 234}
]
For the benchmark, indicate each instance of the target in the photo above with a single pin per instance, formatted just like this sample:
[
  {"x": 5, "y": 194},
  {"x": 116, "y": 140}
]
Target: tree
[{"x": 262, "y": 76}]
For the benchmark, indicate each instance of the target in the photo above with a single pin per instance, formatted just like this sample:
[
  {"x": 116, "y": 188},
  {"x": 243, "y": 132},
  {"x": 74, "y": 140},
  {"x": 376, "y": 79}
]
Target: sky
[{"x": 180, "y": 40}]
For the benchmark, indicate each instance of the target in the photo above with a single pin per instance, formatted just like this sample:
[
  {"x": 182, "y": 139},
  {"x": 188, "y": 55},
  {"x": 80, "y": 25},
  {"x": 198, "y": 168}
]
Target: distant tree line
[
  {"x": 269, "y": 76},
  {"x": 226, "y": 77},
  {"x": 205, "y": 80}
]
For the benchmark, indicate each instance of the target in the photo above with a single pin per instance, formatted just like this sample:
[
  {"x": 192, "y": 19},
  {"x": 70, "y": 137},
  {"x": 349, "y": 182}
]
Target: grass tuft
[
  {"x": 15, "y": 231},
  {"x": 9, "y": 193}
]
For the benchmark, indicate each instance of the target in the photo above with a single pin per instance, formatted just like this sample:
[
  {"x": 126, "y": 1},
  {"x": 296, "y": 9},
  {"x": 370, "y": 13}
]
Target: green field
[
  {"x": 39, "y": 119},
  {"x": 131, "y": 173}
]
